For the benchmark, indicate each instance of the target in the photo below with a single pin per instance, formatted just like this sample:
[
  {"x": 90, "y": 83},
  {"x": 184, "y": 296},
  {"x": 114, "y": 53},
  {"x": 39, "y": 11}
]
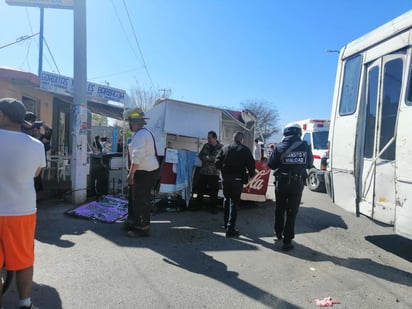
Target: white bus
[{"x": 370, "y": 159}]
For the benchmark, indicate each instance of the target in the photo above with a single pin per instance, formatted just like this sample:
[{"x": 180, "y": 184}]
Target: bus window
[
  {"x": 409, "y": 98},
  {"x": 372, "y": 99},
  {"x": 392, "y": 82},
  {"x": 350, "y": 86}
]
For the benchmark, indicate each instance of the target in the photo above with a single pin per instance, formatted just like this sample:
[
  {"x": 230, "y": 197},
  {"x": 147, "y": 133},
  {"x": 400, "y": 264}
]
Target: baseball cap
[
  {"x": 14, "y": 109},
  {"x": 37, "y": 124},
  {"x": 30, "y": 116}
]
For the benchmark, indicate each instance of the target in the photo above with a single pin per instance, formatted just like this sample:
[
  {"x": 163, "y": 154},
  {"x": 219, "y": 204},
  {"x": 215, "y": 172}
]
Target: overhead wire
[
  {"x": 137, "y": 43},
  {"x": 27, "y": 56},
  {"x": 51, "y": 55},
  {"x": 124, "y": 32},
  {"x": 45, "y": 42},
  {"x": 113, "y": 74},
  {"x": 29, "y": 43},
  {"x": 28, "y": 20},
  {"x": 19, "y": 39}
]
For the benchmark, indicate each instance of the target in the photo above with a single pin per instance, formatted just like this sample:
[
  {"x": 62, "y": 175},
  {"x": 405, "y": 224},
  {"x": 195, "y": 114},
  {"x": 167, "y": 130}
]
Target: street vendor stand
[{"x": 181, "y": 128}]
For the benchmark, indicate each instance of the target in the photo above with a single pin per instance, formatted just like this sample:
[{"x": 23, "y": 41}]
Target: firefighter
[{"x": 289, "y": 160}]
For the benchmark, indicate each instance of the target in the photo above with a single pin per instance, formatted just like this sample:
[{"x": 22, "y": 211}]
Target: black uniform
[
  {"x": 234, "y": 160},
  {"x": 290, "y": 166}
]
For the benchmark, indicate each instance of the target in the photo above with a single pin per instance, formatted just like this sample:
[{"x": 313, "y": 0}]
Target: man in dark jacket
[
  {"x": 209, "y": 175},
  {"x": 290, "y": 159},
  {"x": 237, "y": 165}
]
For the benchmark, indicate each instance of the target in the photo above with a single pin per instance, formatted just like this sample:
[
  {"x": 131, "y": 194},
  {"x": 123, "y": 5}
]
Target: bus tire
[{"x": 313, "y": 182}]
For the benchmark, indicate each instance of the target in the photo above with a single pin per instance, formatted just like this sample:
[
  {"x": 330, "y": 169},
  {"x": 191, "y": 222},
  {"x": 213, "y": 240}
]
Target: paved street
[{"x": 188, "y": 262}]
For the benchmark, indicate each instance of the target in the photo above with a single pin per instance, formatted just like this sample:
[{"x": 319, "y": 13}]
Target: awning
[
  {"x": 101, "y": 108},
  {"x": 106, "y": 109}
]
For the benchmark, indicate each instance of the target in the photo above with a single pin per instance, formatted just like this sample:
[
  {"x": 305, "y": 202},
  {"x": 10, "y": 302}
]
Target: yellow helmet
[{"x": 136, "y": 115}]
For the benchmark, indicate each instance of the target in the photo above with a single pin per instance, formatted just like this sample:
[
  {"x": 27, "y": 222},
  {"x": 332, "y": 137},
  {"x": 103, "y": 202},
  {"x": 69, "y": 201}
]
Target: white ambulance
[{"x": 315, "y": 132}]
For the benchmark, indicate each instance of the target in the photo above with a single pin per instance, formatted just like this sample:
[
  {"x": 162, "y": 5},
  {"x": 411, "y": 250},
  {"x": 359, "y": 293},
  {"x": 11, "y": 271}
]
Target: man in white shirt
[
  {"x": 18, "y": 196},
  {"x": 257, "y": 152},
  {"x": 143, "y": 174}
]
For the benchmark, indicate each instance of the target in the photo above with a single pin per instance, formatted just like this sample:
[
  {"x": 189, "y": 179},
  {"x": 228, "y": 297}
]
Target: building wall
[{"x": 43, "y": 100}]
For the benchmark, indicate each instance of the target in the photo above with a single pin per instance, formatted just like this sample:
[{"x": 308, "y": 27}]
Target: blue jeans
[{"x": 232, "y": 189}]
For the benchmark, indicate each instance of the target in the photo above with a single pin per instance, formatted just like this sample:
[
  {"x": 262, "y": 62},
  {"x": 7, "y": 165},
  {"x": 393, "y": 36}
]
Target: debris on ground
[{"x": 326, "y": 302}]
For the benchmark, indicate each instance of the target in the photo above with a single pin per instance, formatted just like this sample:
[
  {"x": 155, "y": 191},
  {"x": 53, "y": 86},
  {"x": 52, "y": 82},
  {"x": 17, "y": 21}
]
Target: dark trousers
[
  {"x": 288, "y": 196},
  {"x": 232, "y": 189},
  {"x": 139, "y": 198},
  {"x": 208, "y": 184}
]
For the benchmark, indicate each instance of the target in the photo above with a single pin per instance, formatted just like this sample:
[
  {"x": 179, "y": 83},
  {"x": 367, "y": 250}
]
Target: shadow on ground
[
  {"x": 395, "y": 244},
  {"x": 43, "y": 296}
]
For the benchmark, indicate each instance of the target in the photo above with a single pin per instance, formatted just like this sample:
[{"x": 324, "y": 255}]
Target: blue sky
[{"x": 210, "y": 52}]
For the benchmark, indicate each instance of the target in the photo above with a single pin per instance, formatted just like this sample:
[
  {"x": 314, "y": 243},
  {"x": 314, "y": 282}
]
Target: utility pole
[
  {"x": 41, "y": 41},
  {"x": 79, "y": 131},
  {"x": 164, "y": 92}
]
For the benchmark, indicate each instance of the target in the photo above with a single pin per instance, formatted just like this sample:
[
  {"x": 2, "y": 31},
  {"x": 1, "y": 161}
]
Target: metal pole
[
  {"x": 79, "y": 131},
  {"x": 41, "y": 41}
]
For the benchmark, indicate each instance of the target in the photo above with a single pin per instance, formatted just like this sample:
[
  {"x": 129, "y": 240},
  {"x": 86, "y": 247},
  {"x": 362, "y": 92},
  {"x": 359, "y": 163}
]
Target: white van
[
  {"x": 315, "y": 132},
  {"x": 370, "y": 170}
]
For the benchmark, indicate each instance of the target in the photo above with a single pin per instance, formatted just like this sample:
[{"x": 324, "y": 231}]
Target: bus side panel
[
  {"x": 403, "y": 170},
  {"x": 403, "y": 221}
]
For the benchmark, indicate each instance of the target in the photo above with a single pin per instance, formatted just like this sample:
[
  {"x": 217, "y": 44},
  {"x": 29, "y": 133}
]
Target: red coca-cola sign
[{"x": 255, "y": 189}]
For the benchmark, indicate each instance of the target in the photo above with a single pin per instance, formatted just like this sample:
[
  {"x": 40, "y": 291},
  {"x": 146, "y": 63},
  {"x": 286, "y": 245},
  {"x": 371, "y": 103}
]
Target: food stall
[{"x": 180, "y": 129}]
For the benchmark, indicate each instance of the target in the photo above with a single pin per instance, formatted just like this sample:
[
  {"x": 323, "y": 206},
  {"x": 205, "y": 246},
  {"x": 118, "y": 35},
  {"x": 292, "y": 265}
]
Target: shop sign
[
  {"x": 57, "y": 4},
  {"x": 255, "y": 189},
  {"x": 64, "y": 85}
]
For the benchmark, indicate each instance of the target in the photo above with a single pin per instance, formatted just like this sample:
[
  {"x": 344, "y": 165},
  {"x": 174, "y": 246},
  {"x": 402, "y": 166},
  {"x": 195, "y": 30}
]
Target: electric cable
[
  {"x": 19, "y": 39},
  {"x": 113, "y": 74},
  {"x": 51, "y": 55},
  {"x": 124, "y": 32},
  {"x": 26, "y": 59},
  {"x": 137, "y": 43},
  {"x": 28, "y": 20}
]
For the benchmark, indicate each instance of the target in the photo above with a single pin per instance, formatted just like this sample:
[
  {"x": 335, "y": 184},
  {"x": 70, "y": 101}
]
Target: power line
[
  {"x": 165, "y": 91},
  {"x": 26, "y": 59},
  {"x": 51, "y": 54},
  {"x": 19, "y": 39},
  {"x": 29, "y": 44},
  {"x": 28, "y": 19},
  {"x": 124, "y": 32},
  {"x": 137, "y": 43},
  {"x": 113, "y": 74}
]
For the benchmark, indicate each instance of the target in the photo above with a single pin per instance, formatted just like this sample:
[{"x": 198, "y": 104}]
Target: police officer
[
  {"x": 290, "y": 159},
  {"x": 238, "y": 166}
]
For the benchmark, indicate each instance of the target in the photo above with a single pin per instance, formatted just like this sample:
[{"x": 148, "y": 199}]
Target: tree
[
  {"x": 267, "y": 117},
  {"x": 99, "y": 120},
  {"x": 139, "y": 97},
  {"x": 143, "y": 98}
]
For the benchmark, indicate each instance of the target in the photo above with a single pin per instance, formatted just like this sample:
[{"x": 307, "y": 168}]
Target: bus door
[
  {"x": 343, "y": 134},
  {"x": 377, "y": 183}
]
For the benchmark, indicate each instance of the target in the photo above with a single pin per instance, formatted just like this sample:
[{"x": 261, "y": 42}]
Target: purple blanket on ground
[{"x": 108, "y": 209}]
